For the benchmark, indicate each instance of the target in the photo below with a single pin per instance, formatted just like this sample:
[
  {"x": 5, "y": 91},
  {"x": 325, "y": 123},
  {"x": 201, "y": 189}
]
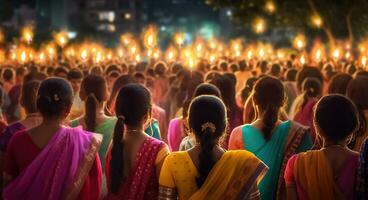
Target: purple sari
[{"x": 60, "y": 170}]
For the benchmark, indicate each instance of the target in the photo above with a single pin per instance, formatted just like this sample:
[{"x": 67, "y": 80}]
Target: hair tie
[
  {"x": 56, "y": 97},
  {"x": 311, "y": 90},
  {"x": 121, "y": 117},
  {"x": 209, "y": 125}
]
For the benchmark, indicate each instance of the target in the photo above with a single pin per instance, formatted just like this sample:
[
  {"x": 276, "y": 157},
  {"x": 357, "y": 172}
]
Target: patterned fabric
[
  {"x": 142, "y": 183},
  {"x": 362, "y": 179},
  {"x": 54, "y": 174}
]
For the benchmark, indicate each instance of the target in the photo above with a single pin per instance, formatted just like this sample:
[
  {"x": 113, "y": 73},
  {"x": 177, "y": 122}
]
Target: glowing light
[
  {"x": 212, "y": 58},
  {"x": 259, "y": 25},
  {"x": 150, "y": 37},
  {"x": 270, "y": 7},
  {"x": 299, "y": 42},
  {"x": 363, "y": 61},
  {"x": 41, "y": 57},
  {"x": 2, "y": 37},
  {"x": 61, "y": 38},
  {"x": 126, "y": 38},
  {"x": 318, "y": 55},
  {"x": 336, "y": 54},
  {"x": 317, "y": 21},
  {"x": 84, "y": 54},
  {"x": 179, "y": 39},
  {"x": 261, "y": 53},
  {"x": 23, "y": 56},
  {"x": 302, "y": 60},
  {"x": 98, "y": 57},
  {"x": 137, "y": 58},
  {"x": 191, "y": 63},
  {"x": 27, "y": 34}
]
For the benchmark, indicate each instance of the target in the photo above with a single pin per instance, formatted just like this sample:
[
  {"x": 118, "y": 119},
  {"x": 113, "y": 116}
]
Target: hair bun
[{"x": 210, "y": 126}]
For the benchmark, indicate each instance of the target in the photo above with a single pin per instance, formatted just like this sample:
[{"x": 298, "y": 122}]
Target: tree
[{"x": 338, "y": 18}]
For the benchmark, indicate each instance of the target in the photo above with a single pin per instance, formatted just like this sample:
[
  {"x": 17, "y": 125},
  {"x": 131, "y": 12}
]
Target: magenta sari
[
  {"x": 175, "y": 134},
  {"x": 142, "y": 182},
  {"x": 60, "y": 170}
]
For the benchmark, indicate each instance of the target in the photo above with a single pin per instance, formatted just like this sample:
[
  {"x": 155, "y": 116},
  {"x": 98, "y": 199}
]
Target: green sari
[
  {"x": 107, "y": 130},
  {"x": 272, "y": 153}
]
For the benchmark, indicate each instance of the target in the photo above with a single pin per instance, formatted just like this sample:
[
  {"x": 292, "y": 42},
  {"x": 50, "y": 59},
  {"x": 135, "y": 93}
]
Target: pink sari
[
  {"x": 305, "y": 116},
  {"x": 175, "y": 134},
  {"x": 55, "y": 174},
  {"x": 142, "y": 182}
]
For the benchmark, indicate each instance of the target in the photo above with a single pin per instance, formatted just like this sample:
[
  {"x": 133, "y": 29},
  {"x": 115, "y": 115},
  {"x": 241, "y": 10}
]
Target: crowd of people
[{"x": 158, "y": 130}]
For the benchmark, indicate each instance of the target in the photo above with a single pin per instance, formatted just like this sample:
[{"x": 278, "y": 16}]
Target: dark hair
[
  {"x": 54, "y": 96},
  {"x": 234, "y": 67},
  {"x": 339, "y": 83},
  {"x": 29, "y": 95},
  {"x": 20, "y": 71},
  {"x": 207, "y": 89},
  {"x": 223, "y": 66},
  {"x": 311, "y": 89},
  {"x": 248, "y": 87},
  {"x": 351, "y": 69},
  {"x": 269, "y": 95},
  {"x": 118, "y": 84},
  {"x": 112, "y": 68},
  {"x": 357, "y": 91},
  {"x": 227, "y": 88},
  {"x": 160, "y": 68},
  {"x": 61, "y": 70},
  {"x": 306, "y": 72},
  {"x": 75, "y": 74},
  {"x": 275, "y": 70},
  {"x": 291, "y": 74},
  {"x": 96, "y": 70},
  {"x": 8, "y": 74},
  {"x": 93, "y": 88},
  {"x": 242, "y": 65},
  {"x": 336, "y": 116},
  {"x": 132, "y": 104},
  {"x": 206, "y": 111}
]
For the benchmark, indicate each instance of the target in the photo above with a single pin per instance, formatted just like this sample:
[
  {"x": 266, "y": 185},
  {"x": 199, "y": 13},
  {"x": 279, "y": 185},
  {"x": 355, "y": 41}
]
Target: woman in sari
[
  {"x": 207, "y": 171},
  {"x": 151, "y": 128},
  {"x": 134, "y": 162},
  {"x": 304, "y": 109},
  {"x": 362, "y": 179},
  {"x": 358, "y": 92},
  {"x": 38, "y": 162},
  {"x": 93, "y": 92},
  {"x": 269, "y": 138},
  {"x": 227, "y": 87},
  {"x": 328, "y": 173},
  {"x": 178, "y": 127}
]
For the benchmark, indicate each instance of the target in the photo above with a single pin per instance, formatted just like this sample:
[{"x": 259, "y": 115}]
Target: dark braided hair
[
  {"x": 207, "y": 110},
  {"x": 269, "y": 95},
  {"x": 133, "y": 103}
]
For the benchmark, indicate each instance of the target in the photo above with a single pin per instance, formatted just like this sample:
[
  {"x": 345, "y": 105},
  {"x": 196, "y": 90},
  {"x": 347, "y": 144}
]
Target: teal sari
[{"x": 272, "y": 153}]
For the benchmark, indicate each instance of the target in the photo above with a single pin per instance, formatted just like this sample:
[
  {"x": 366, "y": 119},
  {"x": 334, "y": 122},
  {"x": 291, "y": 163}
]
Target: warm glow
[
  {"x": 259, "y": 25},
  {"x": 299, "y": 42},
  {"x": 363, "y": 61},
  {"x": 270, "y": 6},
  {"x": 27, "y": 34},
  {"x": 336, "y": 54},
  {"x": 61, "y": 38},
  {"x": 84, "y": 54},
  {"x": 179, "y": 39},
  {"x": 317, "y": 21},
  {"x": 150, "y": 37},
  {"x": 2, "y": 37},
  {"x": 302, "y": 60}
]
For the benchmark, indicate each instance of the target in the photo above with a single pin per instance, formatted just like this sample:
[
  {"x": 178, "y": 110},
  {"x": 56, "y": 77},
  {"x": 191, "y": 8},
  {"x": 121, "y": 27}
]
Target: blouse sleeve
[
  {"x": 164, "y": 151},
  {"x": 289, "y": 171},
  {"x": 166, "y": 177},
  {"x": 236, "y": 139}
]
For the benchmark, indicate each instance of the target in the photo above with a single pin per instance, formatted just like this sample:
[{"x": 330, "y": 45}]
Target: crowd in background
[{"x": 159, "y": 130}]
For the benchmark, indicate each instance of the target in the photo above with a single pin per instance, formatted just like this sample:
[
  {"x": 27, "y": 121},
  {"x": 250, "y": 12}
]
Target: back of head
[
  {"x": 75, "y": 74},
  {"x": 335, "y": 117},
  {"x": 207, "y": 89},
  {"x": 306, "y": 72},
  {"x": 227, "y": 88},
  {"x": 357, "y": 91},
  {"x": 119, "y": 83},
  {"x": 339, "y": 83},
  {"x": 160, "y": 68},
  {"x": 93, "y": 91},
  {"x": 275, "y": 70},
  {"x": 96, "y": 70},
  {"x": 291, "y": 74},
  {"x": 133, "y": 104},
  {"x": 207, "y": 119},
  {"x": 54, "y": 98},
  {"x": 312, "y": 87},
  {"x": 8, "y": 74},
  {"x": 268, "y": 95},
  {"x": 29, "y": 95}
]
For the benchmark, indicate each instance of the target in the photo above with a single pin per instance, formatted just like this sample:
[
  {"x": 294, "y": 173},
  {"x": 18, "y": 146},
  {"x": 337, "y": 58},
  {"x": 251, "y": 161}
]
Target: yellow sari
[
  {"x": 314, "y": 173},
  {"x": 233, "y": 176}
]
